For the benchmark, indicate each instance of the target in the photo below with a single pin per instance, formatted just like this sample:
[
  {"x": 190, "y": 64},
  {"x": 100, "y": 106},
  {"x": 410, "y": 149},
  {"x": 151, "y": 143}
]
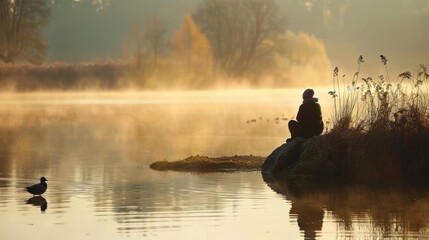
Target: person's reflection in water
[
  {"x": 306, "y": 208},
  {"x": 38, "y": 201},
  {"x": 309, "y": 217}
]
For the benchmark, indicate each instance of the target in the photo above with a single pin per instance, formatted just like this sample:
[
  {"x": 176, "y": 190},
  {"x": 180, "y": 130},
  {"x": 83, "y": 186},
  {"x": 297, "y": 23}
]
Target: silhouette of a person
[{"x": 309, "y": 118}]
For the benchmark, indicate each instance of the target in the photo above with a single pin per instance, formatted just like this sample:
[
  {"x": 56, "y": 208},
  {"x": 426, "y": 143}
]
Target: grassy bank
[
  {"x": 97, "y": 75},
  {"x": 105, "y": 75},
  {"x": 379, "y": 131},
  {"x": 122, "y": 75}
]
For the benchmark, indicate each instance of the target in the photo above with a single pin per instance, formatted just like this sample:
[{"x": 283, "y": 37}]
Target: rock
[{"x": 286, "y": 155}]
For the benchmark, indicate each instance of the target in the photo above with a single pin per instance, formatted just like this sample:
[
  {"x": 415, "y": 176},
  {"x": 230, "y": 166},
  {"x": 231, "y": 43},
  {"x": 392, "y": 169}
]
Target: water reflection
[
  {"x": 97, "y": 158},
  {"x": 177, "y": 201},
  {"x": 309, "y": 218},
  {"x": 38, "y": 201},
  {"x": 383, "y": 212}
]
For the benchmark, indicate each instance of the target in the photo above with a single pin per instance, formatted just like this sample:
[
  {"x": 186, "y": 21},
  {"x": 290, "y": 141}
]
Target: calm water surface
[{"x": 95, "y": 150}]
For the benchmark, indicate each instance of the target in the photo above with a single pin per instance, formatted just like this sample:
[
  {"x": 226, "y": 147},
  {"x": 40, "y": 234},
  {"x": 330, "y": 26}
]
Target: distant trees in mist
[
  {"x": 21, "y": 24},
  {"x": 239, "y": 31},
  {"x": 232, "y": 38},
  {"x": 222, "y": 43},
  {"x": 192, "y": 53},
  {"x": 147, "y": 43}
]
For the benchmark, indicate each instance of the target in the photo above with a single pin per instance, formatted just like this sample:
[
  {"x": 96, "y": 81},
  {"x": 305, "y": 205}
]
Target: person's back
[{"x": 309, "y": 118}]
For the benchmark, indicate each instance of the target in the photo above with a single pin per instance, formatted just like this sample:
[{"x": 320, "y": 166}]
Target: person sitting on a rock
[{"x": 309, "y": 119}]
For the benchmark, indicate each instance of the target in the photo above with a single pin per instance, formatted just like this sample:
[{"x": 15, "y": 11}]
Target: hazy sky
[{"x": 81, "y": 31}]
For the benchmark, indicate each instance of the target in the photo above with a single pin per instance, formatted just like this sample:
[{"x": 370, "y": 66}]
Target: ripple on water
[{"x": 201, "y": 199}]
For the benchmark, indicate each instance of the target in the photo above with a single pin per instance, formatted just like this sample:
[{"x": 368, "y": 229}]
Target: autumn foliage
[
  {"x": 223, "y": 43},
  {"x": 192, "y": 53}
]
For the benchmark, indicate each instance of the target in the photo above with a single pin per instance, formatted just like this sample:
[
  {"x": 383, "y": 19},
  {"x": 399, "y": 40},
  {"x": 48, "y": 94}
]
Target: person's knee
[{"x": 294, "y": 128}]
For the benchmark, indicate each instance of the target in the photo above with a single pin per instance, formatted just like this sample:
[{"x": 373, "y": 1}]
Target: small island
[
  {"x": 378, "y": 134},
  {"x": 204, "y": 164}
]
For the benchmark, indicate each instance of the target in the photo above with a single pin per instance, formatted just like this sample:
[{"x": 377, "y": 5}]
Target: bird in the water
[{"x": 38, "y": 189}]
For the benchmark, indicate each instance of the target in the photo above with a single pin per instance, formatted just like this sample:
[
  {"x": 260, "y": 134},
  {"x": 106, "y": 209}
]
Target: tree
[
  {"x": 148, "y": 43},
  {"x": 21, "y": 24},
  {"x": 238, "y": 30},
  {"x": 192, "y": 49}
]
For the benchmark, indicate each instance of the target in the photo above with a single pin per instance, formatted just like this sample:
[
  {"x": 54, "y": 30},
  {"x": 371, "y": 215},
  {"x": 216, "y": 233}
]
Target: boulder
[{"x": 286, "y": 155}]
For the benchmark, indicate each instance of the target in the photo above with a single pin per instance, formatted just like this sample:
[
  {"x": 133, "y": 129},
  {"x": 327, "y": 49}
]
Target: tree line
[
  {"x": 21, "y": 25},
  {"x": 227, "y": 37}
]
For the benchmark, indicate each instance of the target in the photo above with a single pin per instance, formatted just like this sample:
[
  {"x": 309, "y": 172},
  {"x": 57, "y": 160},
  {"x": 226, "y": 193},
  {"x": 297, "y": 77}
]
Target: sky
[{"x": 335, "y": 31}]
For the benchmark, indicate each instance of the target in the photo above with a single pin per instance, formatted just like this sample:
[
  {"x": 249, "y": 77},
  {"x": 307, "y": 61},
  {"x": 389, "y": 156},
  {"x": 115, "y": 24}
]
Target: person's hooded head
[{"x": 307, "y": 96}]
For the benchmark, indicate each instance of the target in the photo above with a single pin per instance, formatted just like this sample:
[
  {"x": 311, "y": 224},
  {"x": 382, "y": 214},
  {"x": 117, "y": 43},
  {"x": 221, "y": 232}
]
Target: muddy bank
[{"x": 212, "y": 164}]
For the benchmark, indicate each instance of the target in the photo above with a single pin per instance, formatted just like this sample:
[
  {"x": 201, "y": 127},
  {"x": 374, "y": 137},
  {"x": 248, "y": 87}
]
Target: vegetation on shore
[
  {"x": 379, "y": 132},
  {"x": 106, "y": 75},
  {"x": 204, "y": 164},
  {"x": 114, "y": 75}
]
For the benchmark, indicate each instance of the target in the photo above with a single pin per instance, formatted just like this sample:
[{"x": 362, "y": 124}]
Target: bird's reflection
[{"x": 38, "y": 201}]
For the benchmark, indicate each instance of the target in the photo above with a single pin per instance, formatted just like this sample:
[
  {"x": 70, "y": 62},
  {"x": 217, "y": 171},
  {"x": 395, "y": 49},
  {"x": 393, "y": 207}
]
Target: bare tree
[
  {"x": 237, "y": 30},
  {"x": 148, "y": 43},
  {"x": 21, "y": 24}
]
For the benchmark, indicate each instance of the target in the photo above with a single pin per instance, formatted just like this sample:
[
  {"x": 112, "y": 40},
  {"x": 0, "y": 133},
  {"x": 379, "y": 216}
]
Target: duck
[{"x": 38, "y": 189}]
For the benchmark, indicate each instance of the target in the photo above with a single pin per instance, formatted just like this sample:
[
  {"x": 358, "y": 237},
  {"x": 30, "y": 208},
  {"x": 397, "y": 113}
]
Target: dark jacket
[{"x": 310, "y": 118}]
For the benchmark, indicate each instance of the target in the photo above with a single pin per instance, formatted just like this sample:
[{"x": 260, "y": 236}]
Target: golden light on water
[
  {"x": 95, "y": 150},
  {"x": 92, "y": 92},
  {"x": 290, "y": 97}
]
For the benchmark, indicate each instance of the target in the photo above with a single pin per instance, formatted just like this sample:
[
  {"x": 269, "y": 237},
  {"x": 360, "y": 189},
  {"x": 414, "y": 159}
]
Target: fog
[
  {"x": 347, "y": 29},
  {"x": 155, "y": 45},
  {"x": 94, "y": 91}
]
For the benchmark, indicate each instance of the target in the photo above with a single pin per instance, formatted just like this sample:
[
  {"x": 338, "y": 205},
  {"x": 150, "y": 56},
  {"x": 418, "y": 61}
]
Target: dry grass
[
  {"x": 208, "y": 164},
  {"x": 380, "y": 132},
  {"x": 64, "y": 76}
]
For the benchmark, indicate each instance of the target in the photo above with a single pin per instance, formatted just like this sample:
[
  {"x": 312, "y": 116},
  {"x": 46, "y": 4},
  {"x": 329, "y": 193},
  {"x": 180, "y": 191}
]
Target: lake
[{"x": 95, "y": 150}]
